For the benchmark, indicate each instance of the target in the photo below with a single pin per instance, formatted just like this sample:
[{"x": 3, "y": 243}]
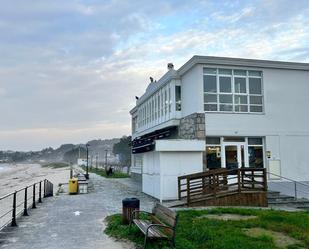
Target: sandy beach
[{"x": 16, "y": 176}]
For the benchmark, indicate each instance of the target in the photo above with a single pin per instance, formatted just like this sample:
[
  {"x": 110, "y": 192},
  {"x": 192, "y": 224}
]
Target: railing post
[
  {"x": 13, "y": 223},
  {"x": 44, "y": 190},
  {"x": 25, "y": 202},
  {"x": 188, "y": 192},
  {"x": 33, "y": 198},
  {"x": 214, "y": 184},
  {"x": 40, "y": 192},
  {"x": 295, "y": 189},
  {"x": 265, "y": 179},
  {"x": 238, "y": 179},
  {"x": 179, "y": 189}
]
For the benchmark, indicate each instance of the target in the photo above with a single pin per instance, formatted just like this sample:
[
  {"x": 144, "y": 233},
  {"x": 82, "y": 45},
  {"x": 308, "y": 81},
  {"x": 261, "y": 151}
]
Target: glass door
[{"x": 234, "y": 155}]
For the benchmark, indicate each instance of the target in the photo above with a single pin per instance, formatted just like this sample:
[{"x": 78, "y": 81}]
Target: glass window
[
  {"x": 257, "y": 100},
  {"x": 226, "y": 108},
  {"x": 240, "y": 85},
  {"x": 256, "y": 108},
  {"x": 210, "y": 70},
  {"x": 240, "y": 99},
  {"x": 255, "y": 141},
  {"x": 178, "y": 97},
  {"x": 255, "y": 86},
  {"x": 210, "y": 83},
  {"x": 225, "y": 71},
  {"x": 255, "y": 156},
  {"x": 240, "y": 72},
  {"x": 241, "y": 108},
  {"x": 213, "y": 157},
  {"x": 212, "y": 140},
  {"x": 225, "y": 84},
  {"x": 226, "y": 98},
  {"x": 210, "y": 107},
  {"x": 255, "y": 73},
  {"x": 210, "y": 98}
]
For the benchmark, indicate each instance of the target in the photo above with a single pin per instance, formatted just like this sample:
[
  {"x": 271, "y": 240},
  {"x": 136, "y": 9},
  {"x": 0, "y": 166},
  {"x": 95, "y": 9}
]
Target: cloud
[{"x": 69, "y": 70}]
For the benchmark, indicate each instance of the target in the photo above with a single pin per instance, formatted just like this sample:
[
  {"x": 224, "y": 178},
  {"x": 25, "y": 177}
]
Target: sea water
[{"x": 4, "y": 167}]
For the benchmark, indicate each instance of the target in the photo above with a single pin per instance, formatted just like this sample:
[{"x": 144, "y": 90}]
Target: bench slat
[{"x": 153, "y": 232}]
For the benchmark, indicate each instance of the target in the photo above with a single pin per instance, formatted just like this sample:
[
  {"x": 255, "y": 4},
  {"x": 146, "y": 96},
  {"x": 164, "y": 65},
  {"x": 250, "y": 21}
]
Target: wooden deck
[{"x": 222, "y": 187}]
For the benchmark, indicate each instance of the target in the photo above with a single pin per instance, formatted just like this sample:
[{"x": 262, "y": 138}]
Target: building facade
[{"x": 217, "y": 112}]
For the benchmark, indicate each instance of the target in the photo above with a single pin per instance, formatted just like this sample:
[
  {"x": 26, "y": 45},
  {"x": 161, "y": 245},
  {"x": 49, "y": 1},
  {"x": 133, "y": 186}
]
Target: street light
[{"x": 87, "y": 174}]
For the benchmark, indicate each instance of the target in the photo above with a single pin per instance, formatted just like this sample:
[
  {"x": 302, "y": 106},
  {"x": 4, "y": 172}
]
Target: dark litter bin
[{"x": 128, "y": 206}]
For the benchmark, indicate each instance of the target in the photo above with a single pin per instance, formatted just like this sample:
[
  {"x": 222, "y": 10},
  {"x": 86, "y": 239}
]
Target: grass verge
[
  {"x": 194, "y": 231},
  {"x": 102, "y": 172},
  {"x": 55, "y": 165}
]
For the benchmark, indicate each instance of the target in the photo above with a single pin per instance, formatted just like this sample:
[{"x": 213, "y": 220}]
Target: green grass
[
  {"x": 193, "y": 232},
  {"x": 101, "y": 172},
  {"x": 55, "y": 165}
]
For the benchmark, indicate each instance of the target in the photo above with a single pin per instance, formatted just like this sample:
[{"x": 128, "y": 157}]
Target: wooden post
[
  {"x": 179, "y": 188},
  {"x": 188, "y": 191},
  {"x": 40, "y": 192},
  {"x": 238, "y": 179}
]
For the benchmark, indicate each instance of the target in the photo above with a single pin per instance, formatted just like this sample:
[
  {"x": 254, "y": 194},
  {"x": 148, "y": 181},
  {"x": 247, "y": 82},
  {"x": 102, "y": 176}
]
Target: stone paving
[{"x": 74, "y": 221}]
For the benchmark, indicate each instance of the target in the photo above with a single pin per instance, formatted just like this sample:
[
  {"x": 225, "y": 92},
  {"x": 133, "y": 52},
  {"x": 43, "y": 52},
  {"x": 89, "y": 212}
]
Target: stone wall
[{"x": 192, "y": 127}]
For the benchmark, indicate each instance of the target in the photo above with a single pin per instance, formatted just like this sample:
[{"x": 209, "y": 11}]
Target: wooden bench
[{"x": 160, "y": 225}]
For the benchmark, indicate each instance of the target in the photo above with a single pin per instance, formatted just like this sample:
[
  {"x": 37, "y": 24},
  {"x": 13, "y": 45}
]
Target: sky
[{"x": 70, "y": 70}]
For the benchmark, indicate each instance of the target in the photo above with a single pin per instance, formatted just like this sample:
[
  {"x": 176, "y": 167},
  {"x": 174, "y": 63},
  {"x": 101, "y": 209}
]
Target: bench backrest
[{"x": 165, "y": 214}]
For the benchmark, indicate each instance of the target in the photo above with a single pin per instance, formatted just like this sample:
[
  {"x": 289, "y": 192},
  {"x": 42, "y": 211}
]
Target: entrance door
[{"x": 234, "y": 155}]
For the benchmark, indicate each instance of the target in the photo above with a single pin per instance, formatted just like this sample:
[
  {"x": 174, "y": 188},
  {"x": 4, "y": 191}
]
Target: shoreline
[{"x": 16, "y": 176}]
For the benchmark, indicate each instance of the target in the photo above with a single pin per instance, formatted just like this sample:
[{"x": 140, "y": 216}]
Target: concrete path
[{"x": 74, "y": 221}]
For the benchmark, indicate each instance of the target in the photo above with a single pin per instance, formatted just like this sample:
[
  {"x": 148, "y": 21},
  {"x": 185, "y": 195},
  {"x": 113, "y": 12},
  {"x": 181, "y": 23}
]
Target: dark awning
[{"x": 146, "y": 142}]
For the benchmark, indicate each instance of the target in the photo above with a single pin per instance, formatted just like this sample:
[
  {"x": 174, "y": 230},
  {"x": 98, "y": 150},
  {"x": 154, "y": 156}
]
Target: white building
[{"x": 217, "y": 112}]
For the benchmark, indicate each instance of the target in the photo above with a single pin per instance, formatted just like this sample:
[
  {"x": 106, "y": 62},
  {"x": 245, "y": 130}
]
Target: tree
[
  {"x": 72, "y": 155},
  {"x": 123, "y": 150}
]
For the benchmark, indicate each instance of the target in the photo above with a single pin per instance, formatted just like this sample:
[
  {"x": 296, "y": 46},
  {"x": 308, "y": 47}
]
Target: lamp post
[{"x": 87, "y": 174}]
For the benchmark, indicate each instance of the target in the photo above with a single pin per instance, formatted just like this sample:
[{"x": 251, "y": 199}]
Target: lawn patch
[{"x": 197, "y": 231}]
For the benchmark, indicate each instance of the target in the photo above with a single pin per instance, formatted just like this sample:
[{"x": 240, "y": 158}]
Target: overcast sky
[{"x": 69, "y": 70}]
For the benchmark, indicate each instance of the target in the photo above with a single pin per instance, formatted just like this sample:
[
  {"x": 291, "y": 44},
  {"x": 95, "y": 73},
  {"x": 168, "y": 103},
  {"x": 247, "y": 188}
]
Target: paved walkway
[{"x": 74, "y": 221}]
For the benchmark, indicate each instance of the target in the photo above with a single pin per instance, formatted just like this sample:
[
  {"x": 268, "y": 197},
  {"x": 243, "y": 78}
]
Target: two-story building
[{"x": 216, "y": 112}]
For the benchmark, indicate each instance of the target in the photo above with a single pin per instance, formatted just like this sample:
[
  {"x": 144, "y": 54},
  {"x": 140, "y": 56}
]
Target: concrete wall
[{"x": 284, "y": 123}]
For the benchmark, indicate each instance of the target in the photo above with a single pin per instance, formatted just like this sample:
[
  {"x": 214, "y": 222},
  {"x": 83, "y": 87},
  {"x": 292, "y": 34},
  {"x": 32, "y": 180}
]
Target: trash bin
[
  {"x": 73, "y": 186},
  {"x": 128, "y": 206}
]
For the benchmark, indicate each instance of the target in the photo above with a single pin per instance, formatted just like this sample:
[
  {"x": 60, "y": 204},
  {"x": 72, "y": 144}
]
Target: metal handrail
[
  {"x": 295, "y": 184},
  {"x": 289, "y": 179},
  {"x": 48, "y": 191}
]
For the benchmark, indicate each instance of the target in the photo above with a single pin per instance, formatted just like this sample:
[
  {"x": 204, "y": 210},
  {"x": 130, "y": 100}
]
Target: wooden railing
[{"x": 213, "y": 183}]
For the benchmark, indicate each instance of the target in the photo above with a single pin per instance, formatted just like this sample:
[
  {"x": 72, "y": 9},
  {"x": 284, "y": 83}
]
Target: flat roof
[{"x": 214, "y": 60}]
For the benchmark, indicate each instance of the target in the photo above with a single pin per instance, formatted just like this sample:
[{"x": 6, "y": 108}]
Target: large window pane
[
  {"x": 225, "y": 71},
  {"x": 256, "y": 108},
  {"x": 255, "y": 73},
  {"x": 210, "y": 107},
  {"x": 240, "y": 99},
  {"x": 210, "y": 98},
  {"x": 212, "y": 140},
  {"x": 255, "y": 86},
  {"x": 241, "y": 108},
  {"x": 210, "y": 83},
  {"x": 210, "y": 70},
  {"x": 240, "y": 85},
  {"x": 213, "y": 157},
  {"x": 178, "y": 97},
  {"x": 240, "y": 72},
  {"x": 225, "y": 84},
  {"x": 223, "y": 98},
  {"x": 255, "y": 156},
  {"x": 256, "y": 100},
  {"x": 255, "y": 141},
  {"x": 226, "y": 108}
]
